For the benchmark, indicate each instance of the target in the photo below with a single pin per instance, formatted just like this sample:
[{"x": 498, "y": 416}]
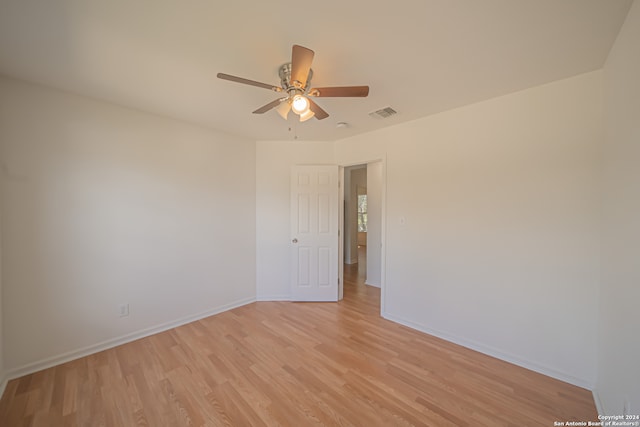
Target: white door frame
[
  {"x": 383, "y": 225},
  {"x": 340, "y": 233}
]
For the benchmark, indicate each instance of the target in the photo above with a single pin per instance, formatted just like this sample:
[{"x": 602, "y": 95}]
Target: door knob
[{"x": 294, "y": 240}]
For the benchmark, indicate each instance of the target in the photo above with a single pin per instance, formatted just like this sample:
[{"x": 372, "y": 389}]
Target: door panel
[{"x": 314, "y": 233}]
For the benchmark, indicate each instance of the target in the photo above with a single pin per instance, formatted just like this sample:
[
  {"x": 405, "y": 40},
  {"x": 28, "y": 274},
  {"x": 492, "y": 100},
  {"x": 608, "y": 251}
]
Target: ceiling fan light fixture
[{"x": 300, "y": 104}]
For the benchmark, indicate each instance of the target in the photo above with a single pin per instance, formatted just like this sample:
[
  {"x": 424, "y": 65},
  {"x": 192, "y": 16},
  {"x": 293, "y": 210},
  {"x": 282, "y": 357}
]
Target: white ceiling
[{"x": 419, "y": 57}]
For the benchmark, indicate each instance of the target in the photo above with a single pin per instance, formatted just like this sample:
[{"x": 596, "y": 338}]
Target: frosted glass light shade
[
  {"x": 306, "y": 116},
  {"x": 283, "y": 109},
  {"x": 300, "y": 104}
]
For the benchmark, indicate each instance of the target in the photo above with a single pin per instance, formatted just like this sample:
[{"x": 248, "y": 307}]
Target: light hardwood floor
[{"x": 292, "y": 364}]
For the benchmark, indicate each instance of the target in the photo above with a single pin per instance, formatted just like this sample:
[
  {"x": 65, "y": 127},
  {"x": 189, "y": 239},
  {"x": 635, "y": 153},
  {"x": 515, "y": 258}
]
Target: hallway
[{"x": 355, "y": 291}]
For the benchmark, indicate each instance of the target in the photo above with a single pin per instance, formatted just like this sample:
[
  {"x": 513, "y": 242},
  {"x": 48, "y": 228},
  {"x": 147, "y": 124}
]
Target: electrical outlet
[
  {"x": 625, "y": 407},
  {"x": 123, "y": 310}
]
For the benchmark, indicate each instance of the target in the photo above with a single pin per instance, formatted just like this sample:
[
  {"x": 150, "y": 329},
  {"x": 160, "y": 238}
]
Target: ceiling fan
[{"x": 295, "y": 79}]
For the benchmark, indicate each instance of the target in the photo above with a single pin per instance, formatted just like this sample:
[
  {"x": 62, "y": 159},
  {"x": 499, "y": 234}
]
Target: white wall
[
  {"x": 500, "y": 248},
  {"x": 103, "y": 205},
  {"x": 273, "y": 170},
  {"x": 619, "y": 347},
  {"x": 374, "y": 223}
]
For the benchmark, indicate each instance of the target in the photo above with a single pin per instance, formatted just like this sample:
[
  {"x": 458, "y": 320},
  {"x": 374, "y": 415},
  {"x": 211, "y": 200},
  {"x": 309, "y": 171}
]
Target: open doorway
[{"x": 362, "y": 228}]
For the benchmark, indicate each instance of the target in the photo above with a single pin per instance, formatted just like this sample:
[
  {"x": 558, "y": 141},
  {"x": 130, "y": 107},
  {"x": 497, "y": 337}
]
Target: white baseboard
[
  {"x": 598, "y": 402},
  {"x": 498, "y": 354},
  {"x": 4, "y": 379},
  {"x": 375, "y": 285},
  {"x": 273, "y": 298},
  {"x": 114, "y": 342}
]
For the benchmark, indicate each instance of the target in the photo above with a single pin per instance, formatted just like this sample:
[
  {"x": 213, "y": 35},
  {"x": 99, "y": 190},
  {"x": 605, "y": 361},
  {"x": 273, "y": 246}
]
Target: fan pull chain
[{"x": 294, "y": 129}]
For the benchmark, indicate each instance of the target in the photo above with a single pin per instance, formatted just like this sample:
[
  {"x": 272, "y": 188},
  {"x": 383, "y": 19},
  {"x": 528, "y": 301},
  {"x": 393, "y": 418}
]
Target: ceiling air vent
[{"x": 383, "y": 113}]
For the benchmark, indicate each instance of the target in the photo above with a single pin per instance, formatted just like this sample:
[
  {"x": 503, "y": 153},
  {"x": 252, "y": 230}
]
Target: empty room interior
[{"x": 342, "y": 213}]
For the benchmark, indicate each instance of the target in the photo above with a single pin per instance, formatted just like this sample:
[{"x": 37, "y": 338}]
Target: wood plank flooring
[{"x": 292, "y": 364}]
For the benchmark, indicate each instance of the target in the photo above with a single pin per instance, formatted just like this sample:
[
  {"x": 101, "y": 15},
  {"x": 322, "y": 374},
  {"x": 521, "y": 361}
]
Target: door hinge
[{"x": 338, "y": 280}]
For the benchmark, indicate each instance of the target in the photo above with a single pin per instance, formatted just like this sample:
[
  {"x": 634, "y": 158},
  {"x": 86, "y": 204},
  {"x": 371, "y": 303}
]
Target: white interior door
[{"x": 314, "y": 233}]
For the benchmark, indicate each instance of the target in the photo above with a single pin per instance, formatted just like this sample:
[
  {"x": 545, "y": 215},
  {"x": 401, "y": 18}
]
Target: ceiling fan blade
[
  {"x": 301, "y": 59},
  {"x": 355, "y": 91},
  {"x": 269, "y": 106},
  {"x": 319, "y": 112},
  {"x": 248, "y": 82}
]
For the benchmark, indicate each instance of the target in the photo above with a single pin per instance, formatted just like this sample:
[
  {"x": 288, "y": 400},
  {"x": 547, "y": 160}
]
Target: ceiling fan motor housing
[{"x": 288, "y": 85}]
